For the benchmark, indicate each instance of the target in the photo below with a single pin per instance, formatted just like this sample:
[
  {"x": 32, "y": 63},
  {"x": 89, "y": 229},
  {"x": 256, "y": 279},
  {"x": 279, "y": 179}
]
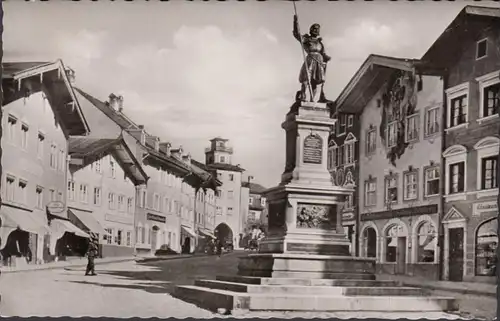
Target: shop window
[
  {"x": 129, "y": 238},
  {"x": 119, "y": 237},
  {"x": 426, "y": 243},
  {"x": 486, "y": 248},
  {"x": 392, "y": 238},
  {"x": 369, "y": 242}
]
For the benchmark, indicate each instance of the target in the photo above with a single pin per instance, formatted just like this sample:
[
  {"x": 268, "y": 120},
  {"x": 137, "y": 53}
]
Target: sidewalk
[
  {"x": 484, "y": 289},
  {"x": 65, "y": 264}
]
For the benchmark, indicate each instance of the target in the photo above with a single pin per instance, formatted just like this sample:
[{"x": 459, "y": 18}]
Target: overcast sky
[{"x": 190, "y": 71}]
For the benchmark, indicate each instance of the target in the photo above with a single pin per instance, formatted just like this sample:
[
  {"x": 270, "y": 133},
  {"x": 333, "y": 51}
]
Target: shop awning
[
  {"x": 14, "y": 218},
  {"x": 88, "y": 220},
  {"x": 188, "y": 230},
  {"x": 63, "y": 226},
  {"x": 207, "y": 233}
]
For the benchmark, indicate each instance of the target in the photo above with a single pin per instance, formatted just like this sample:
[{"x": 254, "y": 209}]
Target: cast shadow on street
[
  {"x": 172, "y": 272},
  {"x": 148, "y": 287}
]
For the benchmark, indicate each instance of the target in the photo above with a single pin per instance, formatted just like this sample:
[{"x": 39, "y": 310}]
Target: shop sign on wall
[{"x": 484, "y": 207}]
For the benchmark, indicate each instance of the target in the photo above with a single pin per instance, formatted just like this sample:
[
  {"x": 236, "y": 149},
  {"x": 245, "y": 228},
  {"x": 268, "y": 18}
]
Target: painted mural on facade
[{"x": 398, "y": 101}]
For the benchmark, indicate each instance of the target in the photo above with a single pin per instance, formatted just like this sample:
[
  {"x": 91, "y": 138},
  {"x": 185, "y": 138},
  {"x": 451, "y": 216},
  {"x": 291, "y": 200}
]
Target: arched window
[
  {"x": 369, "y": 242},
  {"x": 486, "y": 248},
  {"x": 391, "y": 242},
  {"x": 426, "y": 242}
]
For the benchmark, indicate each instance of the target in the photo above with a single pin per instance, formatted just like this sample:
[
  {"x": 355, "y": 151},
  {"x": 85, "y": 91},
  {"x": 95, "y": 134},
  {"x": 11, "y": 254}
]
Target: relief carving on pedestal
[{"x": 316, "y": 216}]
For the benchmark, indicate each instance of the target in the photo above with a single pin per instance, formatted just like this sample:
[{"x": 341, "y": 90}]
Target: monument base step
[
  {"x": 214, "y": 299},
  {"x": 306, "y": 290},
  {"x": 303, "y": 274},
  {"x": 304, "y": 281}
]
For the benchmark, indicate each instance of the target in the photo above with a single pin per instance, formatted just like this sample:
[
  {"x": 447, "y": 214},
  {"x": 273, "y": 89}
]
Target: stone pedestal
[
  {"x": 304, "y": 263},
  {"x": 305, "y": 208}
]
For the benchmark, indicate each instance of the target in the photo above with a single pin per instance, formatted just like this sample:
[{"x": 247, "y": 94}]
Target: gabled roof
[
  {"x": 177, "y": 166},
  {"x": 225, "y": 167},
  {"x": 89, "y": 149},
  {"x": 367, "y": 81},
  {"x": 466, "y": 26},
  {"x": 49, "y": 77},
  {"x": 254, "y": 188}
]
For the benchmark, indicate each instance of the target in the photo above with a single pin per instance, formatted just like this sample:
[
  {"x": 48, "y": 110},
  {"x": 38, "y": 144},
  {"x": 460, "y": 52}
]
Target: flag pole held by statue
[{"x": 303, "y": 54}]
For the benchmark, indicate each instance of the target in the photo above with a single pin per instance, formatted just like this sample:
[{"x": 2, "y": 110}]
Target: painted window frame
[
  {"x": 486, "y": 81},
  {"x": 22, "y": 191},
  {"x": 406, "y": 174},
  {"x": 485, "y": 148},
  {"x": 25, "y": 136},
  {"x": 350, "y": 145},
  {"x": 427, "y": 123},
  {"x": 39, "y": 197},
  {"x": 40, "y": 145},
  {"x": 485, "y": 41},
  {"x": 350, "y": 121},
  {"x": 426, "y": 181},
  {"x": 453, "y": 155},
  {"x": 371, "y": 151},
  {"x": 342, "y": 125},
  {"x": 388, "y": 131},
  {"x": 71, "y": 190},
  {"x": 452, "y": 94},
  {"x": 10, "y": 193},
  {"x": 12, "y": 122},
  {"x": 415, "y": 139},
  {"x": 367, "y": 191},
  {"x": 83, "y": 196},
  {"x": 332, "y": 156},
  {"x": 387, "y": 179},
  {"x": 97, "y": 196}
]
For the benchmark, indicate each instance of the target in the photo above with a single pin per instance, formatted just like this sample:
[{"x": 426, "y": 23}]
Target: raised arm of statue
[{"x": 296, "y": 32}]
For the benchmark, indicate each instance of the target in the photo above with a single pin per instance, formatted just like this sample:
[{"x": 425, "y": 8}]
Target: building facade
[
  {"x": 399, "y": 164},
  {"x": 343, "y": 165},
  {"x": 257, "y": 207},
  {"x": 165, "y": 207},
  {"x": 229, "y": 196},
  {"x": 102, "y": 176},
  {"x": 40, "y": 112},
  {"x": 471, "y": 72}
]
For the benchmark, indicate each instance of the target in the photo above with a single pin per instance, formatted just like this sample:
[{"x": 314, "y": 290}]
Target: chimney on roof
[
  {"x": 165, "y": 147},
  {"x": 120, "y": 103},
  {"x": 157, "y": 143},
  {"x": 70, "y": 73},
  {"x": 187, "y": 158},
  {"x": 113, "y": 101},
  {"x": 177, "y": 153}
]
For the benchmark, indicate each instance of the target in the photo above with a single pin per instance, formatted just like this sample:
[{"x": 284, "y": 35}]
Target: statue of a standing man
[{"x": 314, "y": 68}]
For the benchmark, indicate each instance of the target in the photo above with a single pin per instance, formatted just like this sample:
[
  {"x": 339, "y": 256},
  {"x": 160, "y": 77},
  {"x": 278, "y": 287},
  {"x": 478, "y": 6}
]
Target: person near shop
[{"x": 92, "y": 252}]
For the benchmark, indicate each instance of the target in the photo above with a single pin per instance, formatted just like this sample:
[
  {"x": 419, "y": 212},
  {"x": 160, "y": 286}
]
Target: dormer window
[{"x": 481, "y": 49}]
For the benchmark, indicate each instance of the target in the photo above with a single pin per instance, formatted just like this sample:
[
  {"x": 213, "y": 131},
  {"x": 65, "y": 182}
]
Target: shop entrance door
[{"x": 456, "y": 254}]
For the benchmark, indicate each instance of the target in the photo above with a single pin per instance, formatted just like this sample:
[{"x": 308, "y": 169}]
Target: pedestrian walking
[
  {"x": 219, "y": 247},
  {"x": 92, "y": 252}
]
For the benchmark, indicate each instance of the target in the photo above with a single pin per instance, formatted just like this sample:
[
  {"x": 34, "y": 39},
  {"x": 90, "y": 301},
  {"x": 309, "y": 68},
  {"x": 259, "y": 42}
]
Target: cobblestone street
[{"x": 129, "y": 289}]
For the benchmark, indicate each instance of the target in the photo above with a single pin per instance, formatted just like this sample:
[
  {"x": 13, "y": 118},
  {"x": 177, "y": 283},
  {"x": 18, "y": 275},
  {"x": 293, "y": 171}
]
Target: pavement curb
[{"x": 45, "y": 268}]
